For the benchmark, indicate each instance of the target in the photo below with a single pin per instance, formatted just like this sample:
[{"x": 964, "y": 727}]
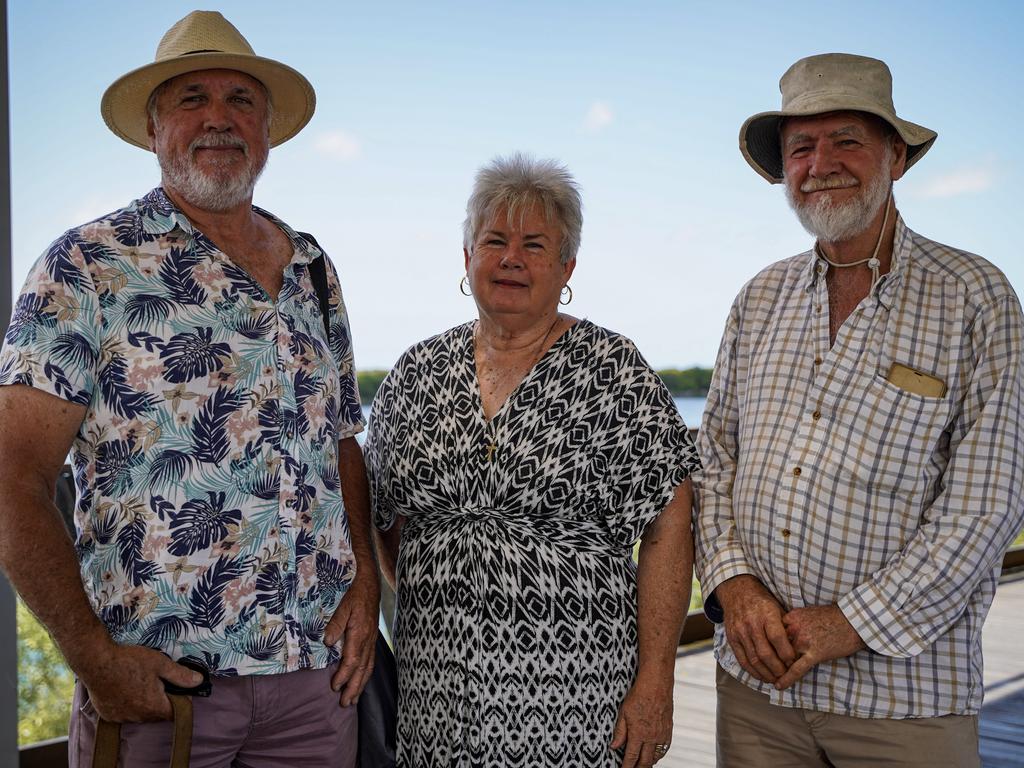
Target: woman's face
[{"x": 514, "y": 267}]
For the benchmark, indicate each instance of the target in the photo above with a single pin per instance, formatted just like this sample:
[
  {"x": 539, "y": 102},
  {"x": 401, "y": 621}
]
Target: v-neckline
[{"x": 478, "y": 392}]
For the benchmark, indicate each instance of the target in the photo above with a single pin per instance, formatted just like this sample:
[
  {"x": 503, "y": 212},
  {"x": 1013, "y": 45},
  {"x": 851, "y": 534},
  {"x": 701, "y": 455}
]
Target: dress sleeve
[
  {"x": 378, "y": 452},
  {"x": 648, "y": 454},
  {"x": 350, "y": 409},
  {"x": 53, "y": 343}
]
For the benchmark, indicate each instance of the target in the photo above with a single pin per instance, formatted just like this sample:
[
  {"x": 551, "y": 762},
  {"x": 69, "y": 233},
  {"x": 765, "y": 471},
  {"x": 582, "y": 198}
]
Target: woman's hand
[{"x": 644, "y": 725}]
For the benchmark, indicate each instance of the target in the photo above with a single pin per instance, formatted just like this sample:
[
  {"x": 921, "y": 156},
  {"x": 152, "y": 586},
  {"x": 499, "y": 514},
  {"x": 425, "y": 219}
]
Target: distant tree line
[{"x": 689, "y": 382}]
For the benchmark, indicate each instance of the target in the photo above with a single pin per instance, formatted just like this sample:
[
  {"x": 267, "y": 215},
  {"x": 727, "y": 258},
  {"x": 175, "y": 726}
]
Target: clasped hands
[{"x": 776, "y": 646}]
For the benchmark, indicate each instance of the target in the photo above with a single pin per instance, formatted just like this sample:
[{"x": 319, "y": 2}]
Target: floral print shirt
[{"x": 210, "y": 521}]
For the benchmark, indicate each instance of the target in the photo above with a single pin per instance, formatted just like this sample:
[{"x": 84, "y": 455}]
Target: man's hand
[
  {"x": 126, "y": 683},
  {"x": 754, "y": 628},
  {"x": 645, "y": 720},
  {"x": 354, "y": 624},
  {"x": 819, "y": 633}
]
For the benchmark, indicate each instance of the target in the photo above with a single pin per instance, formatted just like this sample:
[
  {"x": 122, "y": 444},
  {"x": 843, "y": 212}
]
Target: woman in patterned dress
[{"x": 514, "y": 462}]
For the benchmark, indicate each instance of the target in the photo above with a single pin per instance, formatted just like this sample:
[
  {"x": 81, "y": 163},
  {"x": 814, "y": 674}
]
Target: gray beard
[
  {"x": 837, "y": 223},
  {"x": 211, "y": 192}
]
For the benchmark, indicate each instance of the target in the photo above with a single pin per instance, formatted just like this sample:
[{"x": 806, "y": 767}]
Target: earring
[
  {"x": 565, "y": 289},
  {"x": 464, "y": 286}
]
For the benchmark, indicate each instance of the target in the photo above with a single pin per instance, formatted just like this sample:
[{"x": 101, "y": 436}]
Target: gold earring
[
  {"x": 464, "y": 286},
  {"x": 565, "y": 288}
]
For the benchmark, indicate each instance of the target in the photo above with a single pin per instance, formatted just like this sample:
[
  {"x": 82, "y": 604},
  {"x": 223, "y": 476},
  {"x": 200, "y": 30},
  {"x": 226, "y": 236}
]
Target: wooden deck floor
[{"x": 1002, "y": 716}]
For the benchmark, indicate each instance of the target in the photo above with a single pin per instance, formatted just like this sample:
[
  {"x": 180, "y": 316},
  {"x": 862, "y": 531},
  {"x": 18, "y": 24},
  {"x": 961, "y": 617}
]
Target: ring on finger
[{"x": 661, "y": 749}]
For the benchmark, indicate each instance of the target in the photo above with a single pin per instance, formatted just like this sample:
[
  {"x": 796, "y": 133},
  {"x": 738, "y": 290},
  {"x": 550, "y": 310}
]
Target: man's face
[
  {"x": 210, "y": 135},
  {"x": 839, "y": 168}
]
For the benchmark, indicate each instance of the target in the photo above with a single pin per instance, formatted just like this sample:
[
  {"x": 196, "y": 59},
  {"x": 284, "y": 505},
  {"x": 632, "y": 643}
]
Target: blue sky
[{"x": 643, "y": 101}]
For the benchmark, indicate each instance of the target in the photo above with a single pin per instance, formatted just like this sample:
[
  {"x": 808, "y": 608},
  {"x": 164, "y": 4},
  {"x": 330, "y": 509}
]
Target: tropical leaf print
[
  {"x": 28, "y": 318},
  {"x": 209, "y": 435},
  {"x": 255, "y": 326},
  {"x": 192, "y": 354},
  {"x": 176, "y": 276},
  {"x": 119, "y": 619},
  {"x": 331, "y": 577},
  {"x": 275, "y": 588},
  {"x": 161, "y": 506},
  {"x": 164, "y": 631},
  {"x": 265, "y": 646},
  {"x": 144, "y": 310},
  {"x": 118, "y": 396},
  {"x": 206, "y": 600},
  {"x": 169, "y": 467},
  {"x": 74, "y": 349},
  {"x": 59, "y": 264},
  {"x": 130, "y": 540},
  {"x": 241, "y": 281},
  {"x": 129, "y": 227},
  {"x": 200, "y": 523},
  {"x": 62, "y": 385},
  {"x": 115, "y": 460}
]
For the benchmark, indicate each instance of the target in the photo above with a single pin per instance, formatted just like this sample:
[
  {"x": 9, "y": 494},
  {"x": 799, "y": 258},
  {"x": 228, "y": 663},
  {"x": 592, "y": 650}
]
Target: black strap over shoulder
[{"x": 318, "y": 274}]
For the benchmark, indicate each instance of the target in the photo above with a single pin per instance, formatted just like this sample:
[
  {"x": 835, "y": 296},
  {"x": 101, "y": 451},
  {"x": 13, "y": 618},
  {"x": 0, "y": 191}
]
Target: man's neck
[
  {"x": 863, "y": 245},
  {"x": 219, "y": 226}
]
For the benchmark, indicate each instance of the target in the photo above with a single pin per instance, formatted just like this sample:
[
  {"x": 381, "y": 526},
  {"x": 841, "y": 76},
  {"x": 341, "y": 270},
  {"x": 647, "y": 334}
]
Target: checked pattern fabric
[{"x": 516, "y": 629}]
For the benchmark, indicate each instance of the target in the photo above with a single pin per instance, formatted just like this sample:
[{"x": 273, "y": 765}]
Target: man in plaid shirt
[{"x": 863, "y": 454}]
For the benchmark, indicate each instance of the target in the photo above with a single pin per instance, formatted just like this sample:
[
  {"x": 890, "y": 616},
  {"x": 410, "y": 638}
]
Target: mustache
[
  {"x": 830, "y": 182},
  {"x": 218, "y": 140}
]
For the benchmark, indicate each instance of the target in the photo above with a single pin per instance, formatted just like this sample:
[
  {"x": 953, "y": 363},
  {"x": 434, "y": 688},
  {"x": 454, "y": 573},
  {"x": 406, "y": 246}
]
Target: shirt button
[
  {"x": 796, "y": 471},
  {"x": 290, "y": 435},
  {"x": 817, "y": 361},
  {"x": 785, "y": 533},
  {"x": 284, "y": 567},
  {"x": 816, "y": 415},
  {"x": 818, "y": 309}
]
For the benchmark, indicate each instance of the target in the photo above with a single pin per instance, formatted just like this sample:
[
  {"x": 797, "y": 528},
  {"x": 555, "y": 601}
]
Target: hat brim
[
  {"x": 759, "y": 137},
  {"x": 124, "y": 103}
]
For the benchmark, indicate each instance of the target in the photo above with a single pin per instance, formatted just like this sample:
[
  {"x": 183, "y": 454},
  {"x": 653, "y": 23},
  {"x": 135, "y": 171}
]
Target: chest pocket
[{"x": 895, "y": 435}]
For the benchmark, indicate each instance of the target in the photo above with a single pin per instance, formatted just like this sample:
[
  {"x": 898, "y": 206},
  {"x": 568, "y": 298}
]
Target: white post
[{"x": 8, "y": 614}]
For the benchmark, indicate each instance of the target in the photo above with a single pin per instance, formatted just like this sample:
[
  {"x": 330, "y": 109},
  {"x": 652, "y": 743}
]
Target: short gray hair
[{"x": 515, "y": 183}]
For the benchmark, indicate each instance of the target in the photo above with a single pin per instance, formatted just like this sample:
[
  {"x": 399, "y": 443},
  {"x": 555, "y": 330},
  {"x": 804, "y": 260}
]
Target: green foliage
[
  {"x": 45, "y": 684},
  {"x": 691, "y": 382},
  {"x": 369, "y": 382}
]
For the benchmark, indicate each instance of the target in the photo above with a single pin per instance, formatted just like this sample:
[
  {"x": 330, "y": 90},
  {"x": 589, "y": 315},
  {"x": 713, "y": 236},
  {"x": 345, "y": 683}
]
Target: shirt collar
[
  {"x": 161, "y": 216},
  {"x": 901, "y": 254}
]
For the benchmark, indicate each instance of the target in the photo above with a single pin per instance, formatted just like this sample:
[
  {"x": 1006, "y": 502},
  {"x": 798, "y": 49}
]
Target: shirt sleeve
[
  {"x": 918, "y": 596},
  {"x": 651, "y": 452},
  {"x": 350, "y": 409},
  {"x": 53, "y": 342},
  {"x": 718, "y": 553}
]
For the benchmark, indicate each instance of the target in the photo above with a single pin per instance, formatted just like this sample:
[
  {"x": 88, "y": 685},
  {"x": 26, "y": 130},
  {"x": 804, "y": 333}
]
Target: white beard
[
  {"x": 212, "y": 191},
  {"x": 834, "y": 223}
]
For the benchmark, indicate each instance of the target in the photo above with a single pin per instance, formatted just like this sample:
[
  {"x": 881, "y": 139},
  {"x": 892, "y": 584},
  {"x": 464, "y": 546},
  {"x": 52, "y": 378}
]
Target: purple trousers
[{"x": 257, "y": 721}]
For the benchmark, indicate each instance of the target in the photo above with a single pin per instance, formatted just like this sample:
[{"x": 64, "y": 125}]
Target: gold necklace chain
[{"x": 492, "y": 444}]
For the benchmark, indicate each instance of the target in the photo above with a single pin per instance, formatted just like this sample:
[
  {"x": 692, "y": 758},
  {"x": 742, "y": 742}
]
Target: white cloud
[
  {"x": 964, "y": 181},
  {"x": 338, "y": 145},
  {"x": 598, "y": 116}
]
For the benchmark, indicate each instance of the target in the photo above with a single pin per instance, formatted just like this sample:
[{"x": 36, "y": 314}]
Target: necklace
[
  {"x": 872, "y": 260},
  {"x": 492, "y": 441}
]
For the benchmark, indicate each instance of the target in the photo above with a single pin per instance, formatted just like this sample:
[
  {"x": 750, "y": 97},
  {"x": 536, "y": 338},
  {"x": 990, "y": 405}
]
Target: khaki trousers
[{"x": 754, "y": 732}]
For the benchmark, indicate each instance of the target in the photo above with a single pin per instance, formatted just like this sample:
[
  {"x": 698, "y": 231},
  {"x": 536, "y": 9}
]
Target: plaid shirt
[{"x": 831, "y": 484}]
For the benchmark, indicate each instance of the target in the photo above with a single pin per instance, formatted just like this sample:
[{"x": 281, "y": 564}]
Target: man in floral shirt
[{"x": 178, "y": 349}]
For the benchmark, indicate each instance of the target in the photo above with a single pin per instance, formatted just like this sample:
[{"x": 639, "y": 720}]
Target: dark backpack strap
[{"x": 318, "y": 274}]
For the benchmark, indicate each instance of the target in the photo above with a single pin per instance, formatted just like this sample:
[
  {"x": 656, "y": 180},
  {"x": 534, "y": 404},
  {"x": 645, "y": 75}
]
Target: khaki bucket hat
[
  {"x": 829, "y": 82},
  {"x": 206, "y": 40}
]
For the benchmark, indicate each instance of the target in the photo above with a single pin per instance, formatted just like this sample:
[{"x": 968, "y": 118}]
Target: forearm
[
  {"x": 356, "y": 494},
  {"x": 38, "y": 558},
  {"x": 664, "y": 581}
]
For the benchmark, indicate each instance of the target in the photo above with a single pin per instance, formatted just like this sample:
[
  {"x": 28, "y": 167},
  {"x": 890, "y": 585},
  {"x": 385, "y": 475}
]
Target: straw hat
[
  {"x": 830, "y": 82},
  {"x": 206, "y": 40}
]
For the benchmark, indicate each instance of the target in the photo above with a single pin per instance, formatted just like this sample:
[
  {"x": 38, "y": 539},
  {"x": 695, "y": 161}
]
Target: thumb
[
  {"x": 619, "y": 735},
  {"x": 180, "y": 675}
]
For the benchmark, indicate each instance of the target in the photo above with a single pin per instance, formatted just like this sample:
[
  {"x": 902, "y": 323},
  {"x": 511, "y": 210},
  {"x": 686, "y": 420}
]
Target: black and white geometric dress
[{"x": 516, "y": 631}]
